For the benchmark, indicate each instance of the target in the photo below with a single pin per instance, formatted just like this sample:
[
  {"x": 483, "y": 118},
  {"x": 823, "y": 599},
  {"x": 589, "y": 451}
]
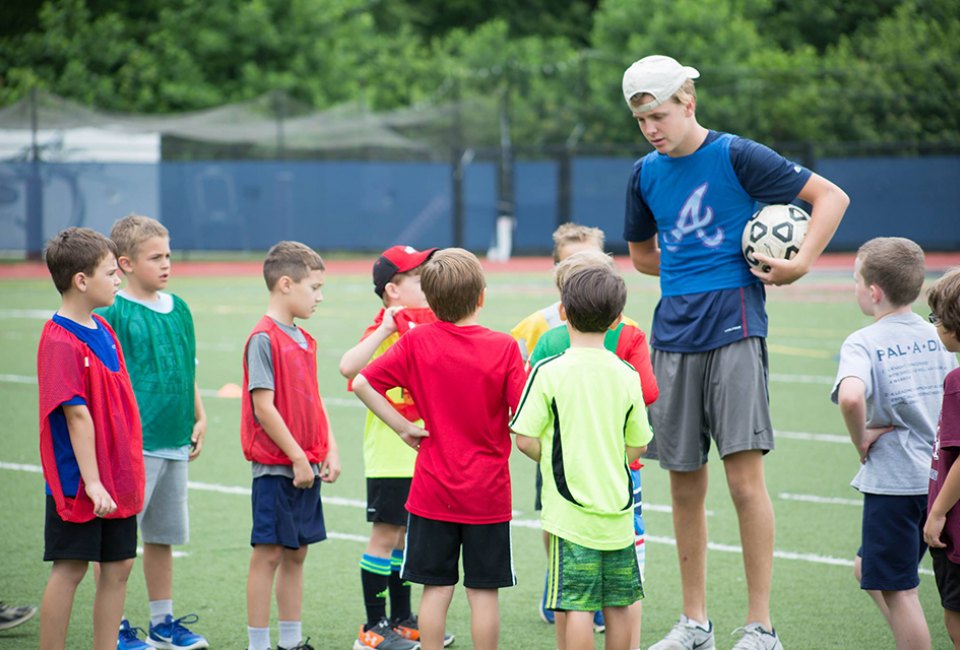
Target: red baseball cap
[{"x": 397, "y": 259}]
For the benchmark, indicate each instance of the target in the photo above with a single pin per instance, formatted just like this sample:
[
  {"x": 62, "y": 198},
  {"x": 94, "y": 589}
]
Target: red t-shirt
[
  {"x": 66, "y": 368},
  {"x": 946, "y": 450},
  {"x": 465, "y": 382}
]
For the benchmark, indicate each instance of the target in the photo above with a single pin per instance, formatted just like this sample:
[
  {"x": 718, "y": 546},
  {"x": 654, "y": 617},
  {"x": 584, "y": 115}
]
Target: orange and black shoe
[
  {"x": 382, "y": 637},
  {"x": 409, "y": 629}
]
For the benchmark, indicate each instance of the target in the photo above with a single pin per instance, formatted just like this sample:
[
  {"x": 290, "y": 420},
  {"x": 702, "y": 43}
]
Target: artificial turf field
[{"x": 816, "y": 603}]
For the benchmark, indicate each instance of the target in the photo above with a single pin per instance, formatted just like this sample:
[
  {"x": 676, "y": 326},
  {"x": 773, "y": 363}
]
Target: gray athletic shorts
[
  {"x": 164, "y": 517},
  {"x": 720, "y": 394}
]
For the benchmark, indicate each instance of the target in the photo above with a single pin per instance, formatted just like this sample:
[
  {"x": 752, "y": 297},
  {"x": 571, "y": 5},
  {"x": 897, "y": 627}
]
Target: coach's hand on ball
[{"x": 781, "y": 271}]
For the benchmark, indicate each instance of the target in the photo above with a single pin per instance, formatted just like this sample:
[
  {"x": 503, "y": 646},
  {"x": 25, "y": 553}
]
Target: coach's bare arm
[
  {"x": 828, "y": 203},
  {"x": 379, "y": 406},
  {"x": 645, "y": 255}
]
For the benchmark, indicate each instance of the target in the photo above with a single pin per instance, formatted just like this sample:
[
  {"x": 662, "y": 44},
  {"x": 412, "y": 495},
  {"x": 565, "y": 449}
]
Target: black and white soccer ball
[{"x": 775, "y": 231}]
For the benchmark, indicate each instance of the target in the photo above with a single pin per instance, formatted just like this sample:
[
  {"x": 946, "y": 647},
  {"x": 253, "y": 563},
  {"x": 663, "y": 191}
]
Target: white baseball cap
[{"x": 657, "y": 75}]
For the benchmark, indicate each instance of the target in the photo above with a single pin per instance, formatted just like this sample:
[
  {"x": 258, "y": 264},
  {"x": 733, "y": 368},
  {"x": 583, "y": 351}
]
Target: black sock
[
  {"x": 399, "y": 598},
  {"x": 375, "y": 588}
]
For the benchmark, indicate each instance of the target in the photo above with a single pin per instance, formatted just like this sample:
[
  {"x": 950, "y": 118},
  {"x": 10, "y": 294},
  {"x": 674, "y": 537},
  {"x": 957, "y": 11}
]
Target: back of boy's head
[
  {"x": 75, "y": 250},
  {"x": 582, "y": 260},
  {"x": 291, "y": 259},
  {"x": 894, "y": 264},
  {"x": 944, "y": 300},
  {"x": 593, "y": 298},
  {"x": 574, "y": 233},
  {"x": 130, "y": 232},
  {"x": 452, "y": 280}
]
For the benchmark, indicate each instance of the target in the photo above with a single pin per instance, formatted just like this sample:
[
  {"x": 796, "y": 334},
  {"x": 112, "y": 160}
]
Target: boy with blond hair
[
  {"x": 285, "y": 433},
  {"x": 387, "y": 461},
  {"x": 889, "y": 388},
  {"x": 90, "y": 441},
  {"x": 464, "y": 379},
  {"x": 580, "y": 418},
  {"x": 942, "y": 530},
  {"x": 156, "y": 330}
]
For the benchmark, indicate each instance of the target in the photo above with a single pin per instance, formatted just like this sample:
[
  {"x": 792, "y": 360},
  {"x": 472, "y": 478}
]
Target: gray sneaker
[
  {"x": 12, "y": 615},
  {"x": 687, "y": 635},
  {"x": 755, "y": 637}
]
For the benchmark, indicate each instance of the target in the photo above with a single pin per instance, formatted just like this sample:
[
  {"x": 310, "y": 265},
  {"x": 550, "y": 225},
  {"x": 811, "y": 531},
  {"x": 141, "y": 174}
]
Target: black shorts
[
  {"x": 97, "y": 540},
  {"x": 948, "y": 579},
  {"x": 433, "y": 548},
  {"x": 387, "y": 499}
]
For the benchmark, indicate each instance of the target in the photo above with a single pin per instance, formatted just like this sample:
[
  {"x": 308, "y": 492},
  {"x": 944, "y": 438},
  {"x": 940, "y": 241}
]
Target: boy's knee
[{"x": 70, "y": 571}]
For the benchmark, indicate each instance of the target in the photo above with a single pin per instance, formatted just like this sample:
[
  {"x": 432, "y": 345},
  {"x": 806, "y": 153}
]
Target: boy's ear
[
  {"x": 125, "y": 264},
  {"x": 616, "y": 322},
  {"x": 391, "y": 291},
  {"x": 79, "y": 281},
  {"x": 876, "y": 294},
  {"x": 284, "y": 284},
  {"x": 563, "y": 312},
  {"x": 483, "y": 297}
]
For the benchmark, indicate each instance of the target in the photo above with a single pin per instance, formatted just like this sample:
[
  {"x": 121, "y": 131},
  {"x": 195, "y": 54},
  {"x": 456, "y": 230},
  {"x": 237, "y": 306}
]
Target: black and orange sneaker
[
  {"x": 409, "y": 629},
  {"x": 382, "y": 637}
]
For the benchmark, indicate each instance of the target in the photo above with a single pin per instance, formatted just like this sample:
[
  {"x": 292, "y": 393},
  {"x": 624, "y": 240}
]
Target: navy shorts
[
  {"x": 97, "y": 540},
  {"x": 948, "y": 579},
  {"x": 285, "y": 515},
  {"x": 386, "y": 500},
  {"x": 432, "y": 554},
  {"x": 892, "y": 541}
]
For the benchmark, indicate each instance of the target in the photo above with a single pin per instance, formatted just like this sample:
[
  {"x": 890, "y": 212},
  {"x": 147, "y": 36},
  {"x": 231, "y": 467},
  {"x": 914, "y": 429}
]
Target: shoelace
[
  {"x": 750, "y": 637},
  {"x": 129, "y": 633},
  {"x": 303, "y": 646},
  {"x": 177, "y": 627},
  {"x": 682, "y": 632}
]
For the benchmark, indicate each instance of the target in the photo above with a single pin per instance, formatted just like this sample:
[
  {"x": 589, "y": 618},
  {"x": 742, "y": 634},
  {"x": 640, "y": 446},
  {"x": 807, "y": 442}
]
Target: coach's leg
[
  {"x": 433, "y": 615},
  {"x": 688, "y": 492},
  {"x": 748, "y": 489}
]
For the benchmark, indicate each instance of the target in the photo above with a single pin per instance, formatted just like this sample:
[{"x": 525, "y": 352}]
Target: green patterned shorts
[{"x": 583, "y": 579}]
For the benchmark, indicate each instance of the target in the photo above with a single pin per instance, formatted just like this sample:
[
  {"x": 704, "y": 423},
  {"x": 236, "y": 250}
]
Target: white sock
[
  {"x": 159, "y": 610},
  {"x": 290, "y": 633},
  {"x": 258, "y": 637},
  {"x": 705, "y": 626}
]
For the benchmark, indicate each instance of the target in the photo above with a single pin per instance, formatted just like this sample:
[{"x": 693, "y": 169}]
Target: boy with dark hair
[
  {"x": 581, "y": 418},
  {"x": 889, "y": 388},
  {"x": 387, "y": 461},
  {"x": 464, "y": 379},
  {"x": 285, "y": 433},
  {"x": 942, "y": 530},
  {"x": 156, "y": 330},
  {"x": 90, "y": 441}
]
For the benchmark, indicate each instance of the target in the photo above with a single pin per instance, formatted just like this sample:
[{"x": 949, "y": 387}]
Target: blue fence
[{"x": 342, "y": 205}]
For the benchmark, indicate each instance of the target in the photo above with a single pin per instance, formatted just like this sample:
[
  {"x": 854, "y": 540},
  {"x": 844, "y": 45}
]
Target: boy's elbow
[{"x": 347, "y": 371}]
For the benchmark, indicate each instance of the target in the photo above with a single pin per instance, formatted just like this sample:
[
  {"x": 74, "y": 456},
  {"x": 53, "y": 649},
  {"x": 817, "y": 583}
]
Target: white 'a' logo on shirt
[{"x": 694, "y": 217}]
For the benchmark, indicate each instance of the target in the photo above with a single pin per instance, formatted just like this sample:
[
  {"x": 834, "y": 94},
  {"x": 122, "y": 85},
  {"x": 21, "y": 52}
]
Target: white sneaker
[
  {"x": 755, "y": 637},
  {"x": 687, "y": 635}
]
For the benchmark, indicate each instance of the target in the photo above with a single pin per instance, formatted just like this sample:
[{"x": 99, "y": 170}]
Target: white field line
[
  {"x": 518, "y": 523},
  {"x": 811, "y": 498}
]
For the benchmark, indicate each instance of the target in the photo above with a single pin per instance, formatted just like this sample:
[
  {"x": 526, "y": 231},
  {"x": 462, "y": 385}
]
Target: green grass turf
[{"x": 816, "y": 603}]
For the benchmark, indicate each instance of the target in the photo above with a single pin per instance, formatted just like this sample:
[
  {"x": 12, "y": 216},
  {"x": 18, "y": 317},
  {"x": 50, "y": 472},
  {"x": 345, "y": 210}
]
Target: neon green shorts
[{"x": 583, "y": 579}]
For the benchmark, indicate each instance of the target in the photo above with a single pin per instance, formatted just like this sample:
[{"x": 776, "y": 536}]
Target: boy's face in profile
[
  {"x": 863, "y": 292},
  {"x": 948, "y": 338},
  {"x": 100, "y": 287},
  {"x": 149, "y": 268},
  {"x": 406, "y": 292},
  {"x": 304, "y": 296}
]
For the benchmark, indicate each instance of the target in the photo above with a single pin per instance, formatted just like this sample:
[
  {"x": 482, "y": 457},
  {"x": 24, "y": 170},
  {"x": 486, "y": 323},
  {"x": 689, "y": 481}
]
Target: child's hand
[
  {"x": 196, "y": 438},
  {"x": 302, "y": 474},
  {"x": 388, "y": 325},
  {"x": 103, "y": 503},
  {"x": 870, "y": 436},
  {"x": 932, "y": 530},
  {"x": 413, "y": 435},
  {"x": 330, "y": 467}
]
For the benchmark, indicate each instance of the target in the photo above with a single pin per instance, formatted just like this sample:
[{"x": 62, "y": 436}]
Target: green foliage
[{"x": 827, "y": 72}]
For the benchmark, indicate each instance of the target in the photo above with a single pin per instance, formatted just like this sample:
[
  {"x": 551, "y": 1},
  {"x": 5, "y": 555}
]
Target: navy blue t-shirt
[
  {"x": 100, "y": 342},
  {"x": 703, "y": 201}
]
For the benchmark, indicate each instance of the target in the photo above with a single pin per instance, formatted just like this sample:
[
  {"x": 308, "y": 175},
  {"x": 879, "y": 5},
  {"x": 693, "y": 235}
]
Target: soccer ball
[{"x": 775, "y": 231}]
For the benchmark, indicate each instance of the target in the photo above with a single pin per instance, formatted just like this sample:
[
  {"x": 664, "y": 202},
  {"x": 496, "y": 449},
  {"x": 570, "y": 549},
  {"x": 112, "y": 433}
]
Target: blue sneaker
[
  {"x": 173, "y": 635},
  {"x": 128, "y": 639},
  {"x": 546, "y": 615},
  {"x": 599, "y": 625}
]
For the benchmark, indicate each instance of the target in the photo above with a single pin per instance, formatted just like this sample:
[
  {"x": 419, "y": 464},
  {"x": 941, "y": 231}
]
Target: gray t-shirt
[
  {"x": 260, "y": 375},
  {"x": 902, "y": 363}
]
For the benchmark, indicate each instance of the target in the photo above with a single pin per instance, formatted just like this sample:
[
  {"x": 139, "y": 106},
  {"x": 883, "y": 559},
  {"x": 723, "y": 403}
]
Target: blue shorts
[
  {"x": 285, "y": 515},
  {"x": 892, "y": 543}
]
